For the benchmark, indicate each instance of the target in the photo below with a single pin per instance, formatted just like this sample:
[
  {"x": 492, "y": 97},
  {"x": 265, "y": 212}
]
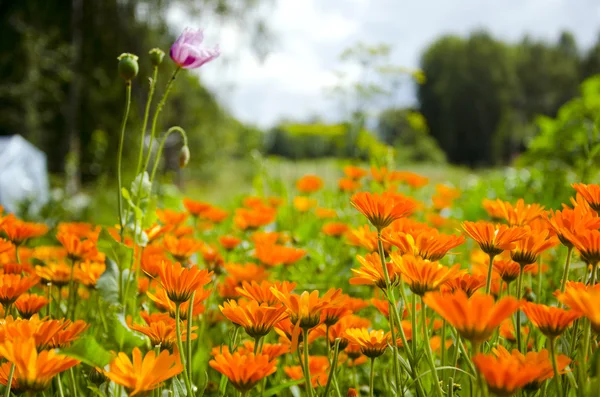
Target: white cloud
[{"x": 310, "y": 34}]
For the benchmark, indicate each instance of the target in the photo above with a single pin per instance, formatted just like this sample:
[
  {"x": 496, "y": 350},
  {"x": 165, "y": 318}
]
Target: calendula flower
[
  {"x": 493, "y": 239},
  {"x": 254, "y": 218},
  {"x": 15, "y": 388},
  {"x": 591, "y": 194},
  {"x": 569, "y": 222},
  {"x": 140, "y": 375},
  {"x": 464, "y": 282},
  {"x": 587, "y": 243},
  {"x": 194, "y": 207},
  {"x": 504, "y": 375},
  {"x": 354, "y": 172},
  {"x": 475, "y": 318},
  {"x": 34, "y": 370},
  {"x": 88, "y": 273},
  {"x": 520, "y": 214},
  {"x": 331, "y": 315},
  {"x": 305, "y": 309},
  {"x": 365, "y": 237},
  {"x": 6, "y": 245},
  {"x": 427, "y": 243},
  {"x": 422, "y": 275},
  {"x": 244, "y": 371},
  {"x": 371, "y": 271},
  {"x": 181, "y": 248},
  {"x": 69, "y": 333},
  {"x": 507, "y": 269},
  {"x": 372, "y": 343},
  {"x": 275, "y": 254},
  {"x": 584, "y": 300},
  {"x": 187, "y": 51},
  {"x": 229, "y": 242},
  {"x": 246, "y": 272},
  {"x": 18, "y": 231},
  {"x": 528, "y": 249},
  {"x": 304, "y": 204},
  {"x": 179, "y": 283},
  {"x": 335, "y": 229},
  {"x": 14, "y": 285},
  {"x": 162, "y": 301},
  {"x": 256, "y": 319},
  {"x": 325, "y": 213},
  {"x": 348, "y": 185},
  {"x": 160, "y": 329},
  {"x": 338, "y": 330},
  {"x": 551, "y": 321},
  {"x": 30, "y": 304},
  {"x": 78, "y": 249},
  {"x": 262, "y": 293},
  {"x": 58, "y": 274},
  {"x": 382, "y": 209},
  {"x": 309, "y": 184},
  {"x": 319, "y": 371}
]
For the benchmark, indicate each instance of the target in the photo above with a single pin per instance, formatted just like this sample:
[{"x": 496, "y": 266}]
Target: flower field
[{"x": 376, "y": 284}]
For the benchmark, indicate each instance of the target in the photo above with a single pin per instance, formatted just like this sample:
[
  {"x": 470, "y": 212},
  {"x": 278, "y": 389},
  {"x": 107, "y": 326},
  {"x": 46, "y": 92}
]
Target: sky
[{"x": 309, "y": 35}]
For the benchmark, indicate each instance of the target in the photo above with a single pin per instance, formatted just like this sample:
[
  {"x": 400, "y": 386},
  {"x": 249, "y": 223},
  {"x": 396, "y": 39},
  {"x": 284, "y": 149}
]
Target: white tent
[{"x": 23, "y": 173}]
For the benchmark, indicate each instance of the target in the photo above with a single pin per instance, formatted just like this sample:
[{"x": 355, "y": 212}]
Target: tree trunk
[{"x": 72, "y": 161}]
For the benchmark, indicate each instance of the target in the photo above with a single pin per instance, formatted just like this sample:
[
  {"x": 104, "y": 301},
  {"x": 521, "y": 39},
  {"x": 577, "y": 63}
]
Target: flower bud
[
  {"x": 184, "y": 156},
  {"x": 96, "y": 377},
  {"x": 352, "y": 393},
  {"x": 156, "y": 56},
  {"x": 128, "y": 66}
]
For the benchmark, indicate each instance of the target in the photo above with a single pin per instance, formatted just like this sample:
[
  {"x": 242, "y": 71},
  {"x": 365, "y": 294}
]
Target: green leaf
[
  {"x": 88, "y": 351},
  {"x": 178, "y": 389},
  {"x": 119, "y": 253},
  {"x": 121, "y": 335},
  {"x": 279, "y": 388},
  {"x": 108, "y": 283},
  {"x": 125, "y": 194},
  {"x": 136, "y": 192}
]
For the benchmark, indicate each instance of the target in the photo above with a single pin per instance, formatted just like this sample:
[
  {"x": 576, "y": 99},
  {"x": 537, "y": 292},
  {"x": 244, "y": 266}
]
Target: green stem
[
  {"x": 17, "y": 254},
  {"x": 145, "y": 122},
  {"x": 9, "y": 380},
  {"x": 72, "y": 299},
  {"x": 257, "y": 344},
  {"x": 428, "y": 352},
  {"x": 61, "y": 393},
  {"x": 593, "y": 275},
  {"x": 162, "y": 145},
  {"x": 372, "y": 377},
  {"x": 188, "y": 334},
  {"x": 518, "y": 296},
  {"x": 73, "y": 383},
  {"x": 539, "y": 280},
  {"x": 120, "y": 157},
  {"x": 413, "y": 321},
  {"x": 186, "y": 378},
  {"x": 565, "y": 276},
  {"x": 555, "y": 367},
  {"x": 456, "y": 351},
  {"x": 488, "y": 284},
  {"x": 443, "y": 346},
  {"x": 307, "y": 379},
  {"x": 327, "y": 343},
  {"x": 333, "y": 366}
]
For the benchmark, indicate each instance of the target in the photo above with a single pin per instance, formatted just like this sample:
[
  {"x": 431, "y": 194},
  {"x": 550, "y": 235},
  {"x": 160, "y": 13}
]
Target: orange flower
[
  {"x": 318, "y": 367},
  {"x": 169, "y": 217},
  {"x": 18, "y": 231},
  {"x": 15, "y": 388},
  {"x": 335, "y": 229},
  {"x": 372, "y": 343},
  {"x": 244, "y": 371},
  {"x": 269, "y": 349},
  {"x": 570, "y": 221},
  {"x": 382, "y": 209},
  {"x": 505, "y": 375},
  {"x": 162, "y": 301},
  {"x": 520, "y": 214},
  {"x": 331, "y": 315},
  {"x": 507, "y": 331},
  {"x": 181, "y": 248},
  {"x": 6, "y": 246},
  {"x": 422, "y": 275},
  {"x": 14, "y": 285},
  {"x": 58, "y": 274},
  {"x": 587, "y": 243},
  {"x": 195, "y": 207},
  {"x": 551, "y": 321},
  {"x": 257, "y": 320},
  {"x": 34, "y": 371},
  {"x": 465, "y": 282},
  {"x": 229, "y": 242},
  {"x": 274, "y": 255},
  {"x": 591, "y": 194},
  {"x": 160, "y": 329},
  {"x": 214, "y": 215},
  {"x": 29, "y": 304},
  {"x": 303, "y": 203},
  {"x": 493, "y": 239},
  {"x": 583, "y": 300},
  {"x": 364, "y": 237},
  {"x": 82, "y": 230},
  {"x": 348, "y": 185},
  {"x": 305, "y": 309},
  {"x": 427, "y": 243},
  {"x": 157, "y": 231},
  {"x": 410, "y": 178},
  {"x": 88, "y": 273},
  {"x": 380, "y": 175},
  {"x": 507, "y": 269},
  {"x": 474, "y": 318},
  {"x": 262, "y": 293},
  {"x": 141, "y": 375},
  {"x": 246, "y": 272},
  {"x": 338, "y": 330},
  {"x": 353, "y": 172},
  {"x": 325, "y": 213},
  {"x": 309, "y": 184},
  {"x": 371, "y": 272},
  {"x": 254, "y": 218},
  {"x": 179, "y": 283},
  {"x": 69, "y": 333},
  {"x": 528, "y": 249},
  {"x": 78, "y": 249}
]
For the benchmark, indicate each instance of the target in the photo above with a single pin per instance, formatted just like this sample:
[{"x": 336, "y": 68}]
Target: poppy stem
[
  {"x": 120, "y": 158},
  {"x": 145, "y": 122},
  {"x": 372, "y": 377},
  {"x": 488, "y": 283},
  {"x": 565, "y": 276},
  {"x": 307, "y": 379},
  {"x": 518, "y": 296},
  {"x": 555, "y": 367},
  {"x": 9, "y": 380},
  {"x": 186, "y": 378}
]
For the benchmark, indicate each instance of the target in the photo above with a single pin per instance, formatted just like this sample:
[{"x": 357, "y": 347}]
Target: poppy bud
[
  {"x": 156, "y": 56},
  {"x": 128, "y": 66},
  {"x": 184, "y": 156}
]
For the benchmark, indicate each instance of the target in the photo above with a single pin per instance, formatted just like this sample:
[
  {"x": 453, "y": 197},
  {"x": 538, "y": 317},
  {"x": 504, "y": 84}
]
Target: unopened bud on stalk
[
  {"x": 352, "y": 393},
  {"x": 96, "y": 377},
  {"x": 156, "y": 56},
  {"x": 184, "y": 156},
  {"x": 128, "y": 66}
]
